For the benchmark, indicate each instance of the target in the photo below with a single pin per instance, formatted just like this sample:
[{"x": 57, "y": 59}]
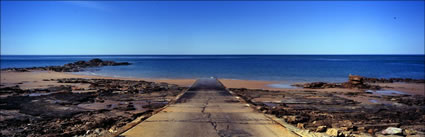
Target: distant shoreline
[{"x": 288, "y": 69}]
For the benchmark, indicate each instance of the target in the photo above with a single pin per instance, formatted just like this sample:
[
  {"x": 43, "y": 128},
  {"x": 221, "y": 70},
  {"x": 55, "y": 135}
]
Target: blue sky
[{"x": 212, "y": 27}]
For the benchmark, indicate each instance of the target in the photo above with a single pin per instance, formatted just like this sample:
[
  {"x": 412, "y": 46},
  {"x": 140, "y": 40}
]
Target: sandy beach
[
  {"x": 126, "y": 98},
  {"x": 36, "y": 79}
]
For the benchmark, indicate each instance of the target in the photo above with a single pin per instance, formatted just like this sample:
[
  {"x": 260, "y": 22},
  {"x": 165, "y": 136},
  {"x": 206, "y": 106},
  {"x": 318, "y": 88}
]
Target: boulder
[
  {"x": 334, "y": 132},
  {"x": 355, "y": 79},
  {"x": 392, "y": 131}
]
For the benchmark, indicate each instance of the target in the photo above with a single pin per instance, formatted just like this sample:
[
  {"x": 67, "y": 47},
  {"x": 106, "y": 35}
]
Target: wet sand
[
  {"x": 54, "y": 105},
  {"x": 36, "y": 79},
  {"x": 410, "y": 88}
]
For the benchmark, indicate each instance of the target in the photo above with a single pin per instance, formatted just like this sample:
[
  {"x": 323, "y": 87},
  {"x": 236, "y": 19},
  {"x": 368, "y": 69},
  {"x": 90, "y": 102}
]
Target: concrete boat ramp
[{"x": 207, "y": 109}]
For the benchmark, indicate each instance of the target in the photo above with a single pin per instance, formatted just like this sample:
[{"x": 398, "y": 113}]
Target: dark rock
[
  {"x": 392, "y": 80},
  {"x": 130, "y": 107},
  {"x": 358, "y": 82},
  {"x": 12, "y": 90},
  {"x": 59, "y": 113},
  {"x": 314, "y": 85},
  {"x": 354, "y": 82},
  {"x": 71, "y": 67},
  {"x": 313, "y": 109}
]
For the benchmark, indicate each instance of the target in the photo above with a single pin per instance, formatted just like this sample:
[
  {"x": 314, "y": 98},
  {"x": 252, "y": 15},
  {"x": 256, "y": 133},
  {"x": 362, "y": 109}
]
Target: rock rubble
[
  {"x": 328, "y": 113},
  {"x": 102, "y": 110}
]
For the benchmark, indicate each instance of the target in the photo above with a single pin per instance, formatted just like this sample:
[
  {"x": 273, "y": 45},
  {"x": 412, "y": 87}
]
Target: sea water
[{"x": 292, "y": 68}]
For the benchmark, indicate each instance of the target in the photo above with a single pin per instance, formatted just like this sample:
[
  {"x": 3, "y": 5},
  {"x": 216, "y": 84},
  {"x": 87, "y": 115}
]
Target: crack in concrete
[
  {"x": 213, "y": 123},
  {"x": 205, "y": 105}
]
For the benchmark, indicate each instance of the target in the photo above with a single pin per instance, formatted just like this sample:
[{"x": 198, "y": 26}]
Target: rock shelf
[
  {"x": 358, "y": 82},
  {"x": 101, "y": 110},
  {"x": 325, "y": 111},
  {"x": 70, "y": 67}
]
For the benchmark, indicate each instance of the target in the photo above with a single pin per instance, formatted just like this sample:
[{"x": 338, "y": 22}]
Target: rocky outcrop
[
  {"x": 353, "y": 82},
  {"x": 123, "y": 86},
  {"x": 354, "y": 79},
  {"x": 392, "y": 80},
  {"x": 102, "y": 110},
  {"x": 357, "y": 82},
  {"x": 336, "y": 116},
  {"x": 71, "y": 67}
]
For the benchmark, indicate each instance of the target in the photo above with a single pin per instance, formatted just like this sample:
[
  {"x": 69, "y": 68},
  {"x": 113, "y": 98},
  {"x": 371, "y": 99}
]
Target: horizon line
[{"x": 180, "y": 54}]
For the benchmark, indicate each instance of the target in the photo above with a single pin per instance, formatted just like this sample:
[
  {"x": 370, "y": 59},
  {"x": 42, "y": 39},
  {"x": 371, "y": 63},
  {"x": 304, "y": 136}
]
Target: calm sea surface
[{"x": 293, "y": 68}]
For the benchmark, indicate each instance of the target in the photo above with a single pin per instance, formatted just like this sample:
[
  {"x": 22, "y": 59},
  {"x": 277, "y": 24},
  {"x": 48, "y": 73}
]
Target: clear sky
[{"x": 212, "y": 27}]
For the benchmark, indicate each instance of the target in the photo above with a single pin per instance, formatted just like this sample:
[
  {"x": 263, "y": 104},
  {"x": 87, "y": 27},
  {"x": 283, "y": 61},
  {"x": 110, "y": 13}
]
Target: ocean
[{"x": 291, "y": 68}]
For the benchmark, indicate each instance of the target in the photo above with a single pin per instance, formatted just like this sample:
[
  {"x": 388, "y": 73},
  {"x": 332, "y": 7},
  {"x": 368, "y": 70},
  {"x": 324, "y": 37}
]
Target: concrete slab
[{"x": 208, "y": 110}]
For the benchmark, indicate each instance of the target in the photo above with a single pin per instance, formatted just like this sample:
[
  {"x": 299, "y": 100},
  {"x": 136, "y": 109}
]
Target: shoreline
[
  {"x": 39, "y": 75},
  {"x": 35, "y": 79},
  {"x": 124, "y": 99}
]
